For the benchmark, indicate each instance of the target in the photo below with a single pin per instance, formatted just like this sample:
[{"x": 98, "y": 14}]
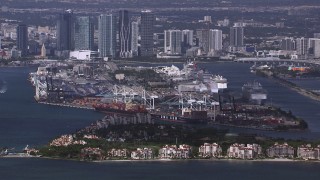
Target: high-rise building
[
  {"x": 172, "y": 41},
  {"x": 107, "y": 35},
  {"x": 187, "y": 37},
  {"x": 302, "y": 46},
  {"x": 65, "y": 31},
  {"x": 288, "y": 44},
  {"x": 84, "y": 33},
  {"x": 147, "y": 30},
  {"x": 134, "y": 38},
  {"x": 22, "y": 39},
  {"x": 207, "y": 19},
  {"x": 43, "y": 51},
  {"x": 203, "y": 38},
  {"x": 124, "y": 34},
  {"x": 215, "y": 40},
  {"x": 236, "y": 36},
  {"x": 314, "y": 47}
]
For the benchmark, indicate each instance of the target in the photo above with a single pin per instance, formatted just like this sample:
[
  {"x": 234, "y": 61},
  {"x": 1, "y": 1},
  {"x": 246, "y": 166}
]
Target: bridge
[{"x": 275, "y": 61}]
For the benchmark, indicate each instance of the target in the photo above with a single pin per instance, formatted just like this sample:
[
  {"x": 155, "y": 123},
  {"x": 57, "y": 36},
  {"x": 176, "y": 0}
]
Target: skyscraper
[
  {"x": 302, "y": 46},
  {"x": 124, "y": 34},
  {"x": 172, "y": 41},
  {"x": 187, "y": 37},
  {"x": 134, "y": 38},
  {"x": 22, "y": 39},
  {"x": 65, "y": 31},
  {"x": 203, "y": 37},
  {"x": 288, "y": 44},
  {"x": 215, "y": 40},
  {"x": 236, "y": 36},
  {"x": 147, "y": 30},
  {"x": 84, "y": 32},
  {"x": 107, "y": 35}
]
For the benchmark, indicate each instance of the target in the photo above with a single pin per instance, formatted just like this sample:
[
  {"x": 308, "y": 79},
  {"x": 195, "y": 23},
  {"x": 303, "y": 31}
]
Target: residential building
[
  {"x": 91, "y": 153},
  {"x": 236, "y": 37},
  {"x": 207, "y": 19},
  {"x": 135, "y": 38},
  {"x": 210, "y": 150},
  {"x": 187, "y": 37},
  {"x": 314, "y": 47},
  {"x": 288, "y": 44},
  {"x": 120, "y": 153},
  {"x": 147, "y": 30},
  {"x": 308, "y": 152},
  {"x": 302, "y": 46},
  {"x": 240, "y": 151},
  {"x": 65, "y": 31},
  {"x": 215, "y": 40},
  {"x": 280, "y": 151},
  {"x": 22, "y": 39},
  {"x": 84, "y": 33},
  {"x": 174, "y": 152},
  {"x": 107, "y": 35},
  {"x": 145, "y": 153},
  {"x": 203, "y": 39},
  {"x": 172, "y": 42}
]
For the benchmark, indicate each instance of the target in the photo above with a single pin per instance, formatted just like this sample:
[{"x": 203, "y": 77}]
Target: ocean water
[{"x": 23, "y": 121}]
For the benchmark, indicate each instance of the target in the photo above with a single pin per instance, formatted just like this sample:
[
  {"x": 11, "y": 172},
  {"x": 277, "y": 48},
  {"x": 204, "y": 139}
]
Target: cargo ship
[{"x": 120, "y": 107}]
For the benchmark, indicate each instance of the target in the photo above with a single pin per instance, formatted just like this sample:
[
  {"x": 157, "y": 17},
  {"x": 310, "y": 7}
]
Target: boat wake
[{"x": 3, "y": 87}]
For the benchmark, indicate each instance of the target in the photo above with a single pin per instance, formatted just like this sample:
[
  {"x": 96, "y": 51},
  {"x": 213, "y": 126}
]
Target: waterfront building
[
  {"x": 124, "y": 34},
  {"x": 280, "y": 151},
  {"x": 288, "y": 44},
  {"x": 210, "y": 150},
  {"x": 240, "y": 151},
  {"x": 65, "y": 31},
  {"x": 147, "y": 30},
  {"x": 308, "y": 152},
  {"x": 203, "y": 39},
  {"x": 215, "y": 40},
  {"x": 120, "y": 153},
  {"x": 66, "y": 140},
  {"x": 302, "y": 46},
  {"x": 314, "y": 47},
  {"x": 145, "y": 153},
  {"x": 174, "y": 152},
  {"x": 91, "y": 153},
  {"x": 187, "y": 38},
  {"x": 236, "y": 38},
  {"x": 172, "y": 42},
  {"x": 135, "y": 38},
  {"x": 22, "y": 39},
  {"x": 107, "y": 35},
  {"x": 84, "y": 33}
]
